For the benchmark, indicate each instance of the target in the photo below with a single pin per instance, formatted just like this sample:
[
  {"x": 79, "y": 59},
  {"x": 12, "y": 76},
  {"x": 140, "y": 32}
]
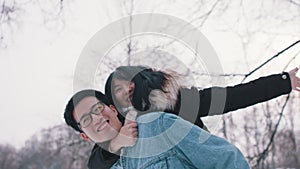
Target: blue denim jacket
[{"x": 168, "y": 141}]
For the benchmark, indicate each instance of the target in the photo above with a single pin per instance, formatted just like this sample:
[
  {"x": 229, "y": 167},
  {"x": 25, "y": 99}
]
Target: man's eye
[
  {"x": 98, "y": 110},
  {"x": 85, "y": 120}
]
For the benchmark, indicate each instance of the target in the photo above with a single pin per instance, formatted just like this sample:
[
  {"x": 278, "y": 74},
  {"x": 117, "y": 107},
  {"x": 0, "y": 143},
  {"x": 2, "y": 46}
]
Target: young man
[{"x": 164, "y": 140}]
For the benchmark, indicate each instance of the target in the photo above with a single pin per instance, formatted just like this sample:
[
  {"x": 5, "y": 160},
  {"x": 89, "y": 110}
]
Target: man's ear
[
  {"x": 113, "y": 108},
  {"x": 85, "y": 137}
]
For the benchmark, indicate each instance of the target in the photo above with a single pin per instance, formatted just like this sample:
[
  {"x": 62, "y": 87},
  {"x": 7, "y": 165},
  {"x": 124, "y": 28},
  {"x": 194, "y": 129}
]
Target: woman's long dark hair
[{"x": 144, "y": 79}]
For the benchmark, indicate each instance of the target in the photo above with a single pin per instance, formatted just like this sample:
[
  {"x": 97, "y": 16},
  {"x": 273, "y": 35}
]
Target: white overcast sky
[{"x": 38, "y": 65}]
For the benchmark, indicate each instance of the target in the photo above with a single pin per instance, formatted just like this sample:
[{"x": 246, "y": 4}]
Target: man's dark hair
[{"x": 75, "y": 99}]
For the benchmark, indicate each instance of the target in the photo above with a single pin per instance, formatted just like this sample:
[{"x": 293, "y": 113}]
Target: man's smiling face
[{"x": 103, "y": 126}]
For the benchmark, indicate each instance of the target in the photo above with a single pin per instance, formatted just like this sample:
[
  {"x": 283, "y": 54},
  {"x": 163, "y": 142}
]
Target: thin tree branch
[
  {"x": 205, "y": 15},
  {"x": 219, "y": 75},
  {"x": 279, "y": 53},
  {"x": 267, "y": 149},
  {"x": 290, "y": 61}
]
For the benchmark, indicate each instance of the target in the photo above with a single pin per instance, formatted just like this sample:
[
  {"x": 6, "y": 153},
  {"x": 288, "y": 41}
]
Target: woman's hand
[
  {"x": 127, "y": 137},
  {"x": 128, "y": 134},
  {"x": 295, "y": 81}
]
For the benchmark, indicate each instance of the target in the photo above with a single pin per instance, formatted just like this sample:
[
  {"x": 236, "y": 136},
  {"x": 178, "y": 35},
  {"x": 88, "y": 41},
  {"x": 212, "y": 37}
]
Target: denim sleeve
[{"x": 199, "y": 148}]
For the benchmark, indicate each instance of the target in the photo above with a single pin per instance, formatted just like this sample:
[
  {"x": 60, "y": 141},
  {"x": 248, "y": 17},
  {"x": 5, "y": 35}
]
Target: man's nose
[{"x": 97, "y": 117}]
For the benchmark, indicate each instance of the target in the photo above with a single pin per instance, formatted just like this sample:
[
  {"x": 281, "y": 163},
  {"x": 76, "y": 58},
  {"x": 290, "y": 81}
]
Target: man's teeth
[{"x": 102, "y": 126}]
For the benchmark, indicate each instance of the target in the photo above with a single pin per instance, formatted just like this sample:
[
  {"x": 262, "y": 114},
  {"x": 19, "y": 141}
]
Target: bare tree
[
  {"x": 56, "y": 147},
  {"x": 8, "y": 156},
  {"x": 13, "y": 12}
]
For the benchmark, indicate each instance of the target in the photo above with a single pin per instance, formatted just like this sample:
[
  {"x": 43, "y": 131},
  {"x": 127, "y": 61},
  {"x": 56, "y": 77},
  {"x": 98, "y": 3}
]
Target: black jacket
[{"x": 213, "y": 101}]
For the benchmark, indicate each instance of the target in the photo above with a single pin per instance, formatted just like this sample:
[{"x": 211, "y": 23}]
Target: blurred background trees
[
  {"x": 245, "y": 34},
  {"x": 52, "y": 148}
]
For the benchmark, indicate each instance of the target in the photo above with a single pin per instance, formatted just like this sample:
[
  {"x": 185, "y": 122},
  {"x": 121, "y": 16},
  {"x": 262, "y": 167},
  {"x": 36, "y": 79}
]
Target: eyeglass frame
[{"x": 89, "y": 114}]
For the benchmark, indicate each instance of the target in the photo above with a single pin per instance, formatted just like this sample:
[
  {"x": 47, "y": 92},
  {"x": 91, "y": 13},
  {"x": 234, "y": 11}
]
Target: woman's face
[{"x": 123, "y": 91}]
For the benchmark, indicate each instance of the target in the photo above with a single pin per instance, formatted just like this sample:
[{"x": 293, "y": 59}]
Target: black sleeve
[
  {"x": 218, "y": 100},
  {"x": 101, "y": 159}
]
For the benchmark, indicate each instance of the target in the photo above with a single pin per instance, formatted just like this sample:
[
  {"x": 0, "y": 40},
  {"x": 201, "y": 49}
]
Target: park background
[{"x": 41, "y": 42}]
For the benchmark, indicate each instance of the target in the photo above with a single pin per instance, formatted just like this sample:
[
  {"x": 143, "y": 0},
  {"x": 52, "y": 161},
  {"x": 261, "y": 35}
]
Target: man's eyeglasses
[{"x": 87, "y": 119}]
